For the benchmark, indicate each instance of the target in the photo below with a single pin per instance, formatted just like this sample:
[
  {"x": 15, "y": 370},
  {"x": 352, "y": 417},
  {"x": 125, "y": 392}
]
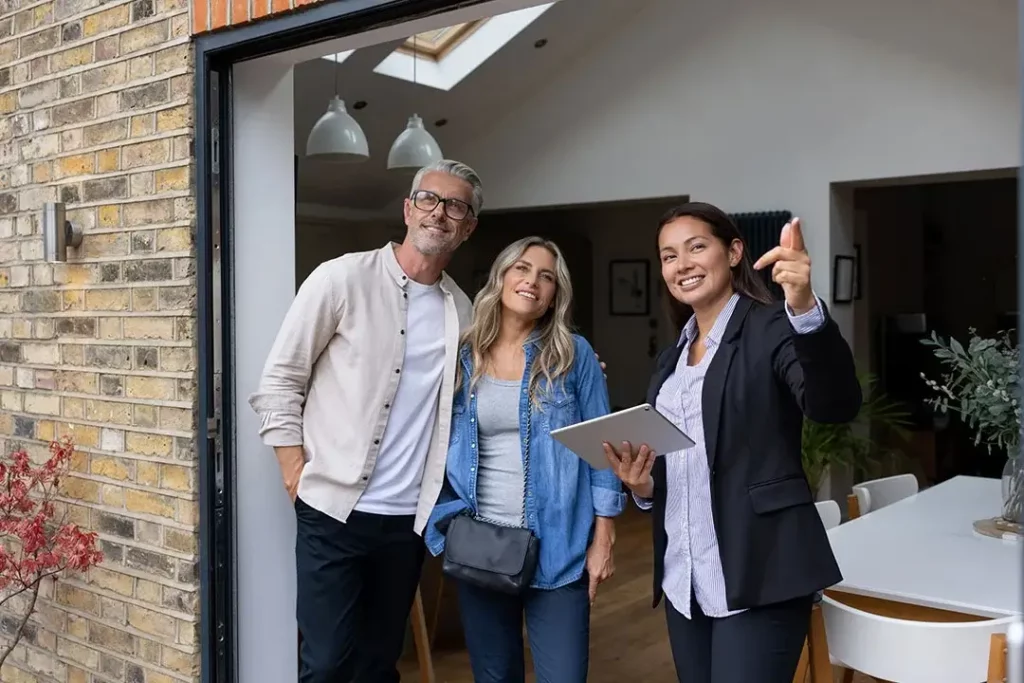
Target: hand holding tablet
[{"x": 641, "y": 424}]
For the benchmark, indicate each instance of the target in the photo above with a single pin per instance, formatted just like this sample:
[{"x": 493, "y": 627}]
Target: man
[{"x": 356, "y": 401}]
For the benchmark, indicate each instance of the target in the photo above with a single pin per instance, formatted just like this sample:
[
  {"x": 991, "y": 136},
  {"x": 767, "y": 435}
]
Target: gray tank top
[{"x": 500, "y": 473}]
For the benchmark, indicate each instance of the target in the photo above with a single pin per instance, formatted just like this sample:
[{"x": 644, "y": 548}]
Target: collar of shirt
[
  {"x": 394, "y": 269},
  {"x": 714, "y": 336}
]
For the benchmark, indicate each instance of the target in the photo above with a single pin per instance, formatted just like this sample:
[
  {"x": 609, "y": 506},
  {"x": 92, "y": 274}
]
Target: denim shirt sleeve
[
  {"x": 592, "y": 394},
  {"x": 808, "y": 322}
]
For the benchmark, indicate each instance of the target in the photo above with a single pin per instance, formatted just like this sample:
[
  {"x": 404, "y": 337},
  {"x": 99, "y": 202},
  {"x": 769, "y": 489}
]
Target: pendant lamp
[
  {"x": 414, "y": 148},
  {"x": 337, "y": 136}
]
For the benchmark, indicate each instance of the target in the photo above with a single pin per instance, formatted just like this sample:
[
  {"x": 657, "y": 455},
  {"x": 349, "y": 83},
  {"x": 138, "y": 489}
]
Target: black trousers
[
  {"x": 762, "y": 644},
  {"x": 356, "y": 585}
]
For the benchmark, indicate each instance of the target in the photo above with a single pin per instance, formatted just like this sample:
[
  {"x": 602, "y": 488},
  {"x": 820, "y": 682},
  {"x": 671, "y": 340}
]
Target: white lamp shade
[
  {"x": 414, "y": 148},
  {"x": 337, "y": 136}
]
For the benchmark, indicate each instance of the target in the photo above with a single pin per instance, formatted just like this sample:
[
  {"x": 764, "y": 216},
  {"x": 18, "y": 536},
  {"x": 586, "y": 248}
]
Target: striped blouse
[{"x": 693, "y": 565}]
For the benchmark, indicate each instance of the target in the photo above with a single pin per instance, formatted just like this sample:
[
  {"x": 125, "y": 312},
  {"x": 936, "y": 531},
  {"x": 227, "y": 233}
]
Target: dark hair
[{"x": 745, "y": 279}]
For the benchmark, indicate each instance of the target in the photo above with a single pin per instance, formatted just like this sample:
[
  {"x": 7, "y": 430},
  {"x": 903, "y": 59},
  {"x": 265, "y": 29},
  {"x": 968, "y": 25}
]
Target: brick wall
[
  {"x": 208, "y": 15},
  {"x": 96, "y": 111}
]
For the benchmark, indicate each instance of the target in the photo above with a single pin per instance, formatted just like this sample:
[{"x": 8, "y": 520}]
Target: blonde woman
[{"x": 524, "y": 524}]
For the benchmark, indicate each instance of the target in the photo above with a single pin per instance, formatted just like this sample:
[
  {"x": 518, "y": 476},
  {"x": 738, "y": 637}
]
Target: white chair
[
  {"x": 911, "y": 651},
  {"x": 877, "y": 493},
  {"x": 829, "y": 512}
]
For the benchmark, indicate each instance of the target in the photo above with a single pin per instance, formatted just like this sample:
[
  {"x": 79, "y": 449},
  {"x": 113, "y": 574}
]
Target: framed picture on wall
[
  {"x": 843, "y": 276},
  {"x": 629, "y": 287}
]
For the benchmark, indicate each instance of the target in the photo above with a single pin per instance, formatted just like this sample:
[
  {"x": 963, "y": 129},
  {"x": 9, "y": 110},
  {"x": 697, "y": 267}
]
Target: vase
[{"x": 1013, "y": 490}]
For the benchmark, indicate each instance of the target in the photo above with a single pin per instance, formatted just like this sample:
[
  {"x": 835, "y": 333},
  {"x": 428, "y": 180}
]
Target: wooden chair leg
[
  {"x": 848, "y": 675},
  {"x": 802, "y": 666},
  {"x": 997, "y": 658},
  {"x": 852, "y": 506},
  {"x": 422, "y": 639},
  {"x": 817, "y": 648}
]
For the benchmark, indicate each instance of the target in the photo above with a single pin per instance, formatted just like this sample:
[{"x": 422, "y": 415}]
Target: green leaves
[
  {"x": 980, "y": 383},
  {"x": 852, "y": 444}
]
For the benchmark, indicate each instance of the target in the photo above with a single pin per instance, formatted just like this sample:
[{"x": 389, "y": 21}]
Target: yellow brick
[
  {"x": 172, "y": 119},
  {"x": 41, "y": 172},
  {"x": 109, "y": 216},
  {"x": 147, "y": 473},
  {"x": 8, "y": 102},
  {"x": 170, "y": 179},
  {"x": 105, "y": 411},
  {"x": 74, "y": 407},
  {"x": 77, "y": 382},
  {"x": 42, "y": 404},
  {"x": 111, "y": 468},
  {"x": 78, "y": 626},
  {"x": 76, "y": 56},
  {"x": 176, "y": 418},
  {"x": 148, "y": 591},
  {"x": 107, "y": 160},
  {"x": 179, "y": 662},
  {"x": 110, "y": 328},
  {"x": 79, "y": 164},
  {"x": 104, "y": 21},
  {"x": 174, "y": 239},
  {"x": 76, "y": 675},
  {"x": 81, "y": 489},
  {"x": 85, "y": 436},
  {"x": 148, "y": 328},
  {"x": 107, "y": 300},
  {"x": 176, "y": 478},
  {"x": 149, "y": 503},
  {"x": 44, "y": 430},
  {"x": 73, "y": 301},
  {"x": 148, "y": 444},
  {"x": 150, "y": 387},
  {"x": 112, "y": 581},
  {"x": 112, "y": 495}
]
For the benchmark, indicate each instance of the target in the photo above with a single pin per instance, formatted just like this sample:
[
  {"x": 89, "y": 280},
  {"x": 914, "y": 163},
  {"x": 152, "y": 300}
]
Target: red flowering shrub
[{"x": 34, "y": 546}]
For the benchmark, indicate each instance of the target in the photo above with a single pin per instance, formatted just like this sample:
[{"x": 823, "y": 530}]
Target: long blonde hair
[{"x": 553, "y": 331}]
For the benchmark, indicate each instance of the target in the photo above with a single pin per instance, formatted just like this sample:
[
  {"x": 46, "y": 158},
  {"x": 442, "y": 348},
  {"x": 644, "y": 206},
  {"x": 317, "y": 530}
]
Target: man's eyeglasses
[{"x": 456, "y": 209}]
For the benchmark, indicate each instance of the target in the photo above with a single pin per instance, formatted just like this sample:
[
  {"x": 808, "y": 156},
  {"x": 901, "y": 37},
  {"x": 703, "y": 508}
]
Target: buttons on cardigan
[{"x": 376, "y": 442}]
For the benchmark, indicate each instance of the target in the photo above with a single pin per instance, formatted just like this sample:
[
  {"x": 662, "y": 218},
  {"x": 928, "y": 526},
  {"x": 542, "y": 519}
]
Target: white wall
[
  {"x": 758, "y": 105},
  {"x": 264, "y": 276}
]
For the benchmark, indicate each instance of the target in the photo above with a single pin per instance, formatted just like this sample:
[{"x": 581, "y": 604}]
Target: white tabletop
[{"x": 923, "y": 550}]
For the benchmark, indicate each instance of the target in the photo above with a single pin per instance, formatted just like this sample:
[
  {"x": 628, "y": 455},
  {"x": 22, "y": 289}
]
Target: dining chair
[
  {"x": 877, "y": 493},
  {"x": 829, "y": 512},
  {"x": 815, "y": 659},
  {"x": 907, "y": 651}
]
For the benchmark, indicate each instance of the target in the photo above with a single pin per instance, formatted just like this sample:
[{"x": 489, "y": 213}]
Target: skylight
[
  {"x": 436, "y": 44},
  {"x": 446, "y": 56}
]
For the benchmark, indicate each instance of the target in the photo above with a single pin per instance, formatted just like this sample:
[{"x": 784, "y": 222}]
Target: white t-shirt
[{"x": 394, "y": 485}]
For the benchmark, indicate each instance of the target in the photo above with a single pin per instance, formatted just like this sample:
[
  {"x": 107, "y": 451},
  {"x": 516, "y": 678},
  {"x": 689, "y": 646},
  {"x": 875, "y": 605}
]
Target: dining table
[{"x": 922, "y": 555}]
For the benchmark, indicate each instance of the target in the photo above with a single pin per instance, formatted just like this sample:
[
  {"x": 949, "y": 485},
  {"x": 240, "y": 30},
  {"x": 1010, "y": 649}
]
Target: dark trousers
[
  {"x": 762, "y": 644},
  {"x": 356, "y": 584},
  {"x": 557, "y": 624}
]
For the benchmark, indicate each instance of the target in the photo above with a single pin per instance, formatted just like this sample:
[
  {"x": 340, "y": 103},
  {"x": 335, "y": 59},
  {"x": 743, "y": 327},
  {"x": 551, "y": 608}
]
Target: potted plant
[
  {"x": 853, "y": 444},
  {"x": 981, "y": 384}
]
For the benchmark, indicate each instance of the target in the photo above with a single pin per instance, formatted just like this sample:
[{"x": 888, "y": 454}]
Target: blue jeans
[{"x": 557, "y": 624}]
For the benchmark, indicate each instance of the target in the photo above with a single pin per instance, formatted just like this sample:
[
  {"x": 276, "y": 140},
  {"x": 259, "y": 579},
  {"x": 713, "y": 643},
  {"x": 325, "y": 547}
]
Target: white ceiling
[{"x": 515, "y": 72}]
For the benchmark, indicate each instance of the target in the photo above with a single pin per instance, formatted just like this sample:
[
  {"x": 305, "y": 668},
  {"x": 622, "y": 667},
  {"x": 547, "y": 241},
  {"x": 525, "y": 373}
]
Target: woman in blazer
[{"x": 740, "y": 551}]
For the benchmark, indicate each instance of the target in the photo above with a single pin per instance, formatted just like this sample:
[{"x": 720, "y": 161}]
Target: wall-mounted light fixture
[{"x": 58, "y": 233}]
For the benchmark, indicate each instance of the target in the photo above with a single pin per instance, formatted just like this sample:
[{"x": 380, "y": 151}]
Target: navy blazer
[{"x": 762, "y": 381}]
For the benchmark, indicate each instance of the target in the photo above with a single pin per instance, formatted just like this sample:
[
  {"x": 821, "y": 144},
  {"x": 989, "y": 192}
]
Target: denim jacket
[{"x": 563, "y": 492}]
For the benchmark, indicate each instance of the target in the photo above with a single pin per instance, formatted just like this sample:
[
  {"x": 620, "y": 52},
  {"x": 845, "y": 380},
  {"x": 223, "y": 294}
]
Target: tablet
[{"x": 638, "y": 425}]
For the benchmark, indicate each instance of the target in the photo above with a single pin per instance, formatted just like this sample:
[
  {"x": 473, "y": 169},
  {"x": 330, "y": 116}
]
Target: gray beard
[{"x": 431, "y": 246}]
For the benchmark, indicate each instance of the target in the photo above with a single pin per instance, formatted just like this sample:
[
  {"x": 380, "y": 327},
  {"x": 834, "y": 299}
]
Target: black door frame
[{"x": 215, "y": 53}]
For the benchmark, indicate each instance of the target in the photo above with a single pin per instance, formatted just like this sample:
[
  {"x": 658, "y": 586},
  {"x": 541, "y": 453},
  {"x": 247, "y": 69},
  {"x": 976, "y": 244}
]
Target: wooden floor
[{"x": 628, "y": 639}]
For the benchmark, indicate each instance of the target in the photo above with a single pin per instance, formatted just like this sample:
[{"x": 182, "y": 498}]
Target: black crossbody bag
[{"x": 490, "y": 555}]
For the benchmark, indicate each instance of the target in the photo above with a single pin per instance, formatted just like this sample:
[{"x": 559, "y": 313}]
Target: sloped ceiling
[{"x": 570, "y": 29}]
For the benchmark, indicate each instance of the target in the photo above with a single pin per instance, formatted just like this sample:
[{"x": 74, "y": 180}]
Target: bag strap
[{"x": 526, "y": 454}]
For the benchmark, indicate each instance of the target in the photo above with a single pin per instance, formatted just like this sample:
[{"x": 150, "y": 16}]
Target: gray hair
[{"x": 459, "y": 170}]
